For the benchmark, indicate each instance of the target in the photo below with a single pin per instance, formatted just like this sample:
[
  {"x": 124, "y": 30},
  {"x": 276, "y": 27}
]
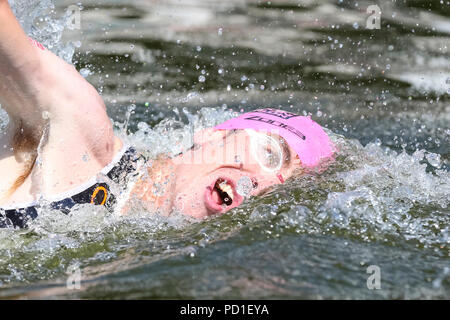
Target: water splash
[
  {"x": 172, "y": 136},
  {"x": 244, "y": 186},
  {"x": 40, "y": 21},
  {"x": 370, "y": 193}
]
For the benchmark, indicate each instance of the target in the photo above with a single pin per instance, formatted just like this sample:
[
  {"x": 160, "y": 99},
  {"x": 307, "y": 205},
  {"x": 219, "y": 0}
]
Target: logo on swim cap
[
  {"x": 277, "y": 124},
  {"x": 278, "y": 113},
  {"x": 305, "y": 136}
]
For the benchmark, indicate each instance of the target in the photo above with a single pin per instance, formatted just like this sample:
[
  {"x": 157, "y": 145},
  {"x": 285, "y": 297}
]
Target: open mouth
[
  {"x": 224, "y": 191},
  {"x": 221, "y": 195}
]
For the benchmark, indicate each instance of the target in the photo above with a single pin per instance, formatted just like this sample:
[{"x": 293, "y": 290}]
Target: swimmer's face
[{"x": 225, "y": 167}]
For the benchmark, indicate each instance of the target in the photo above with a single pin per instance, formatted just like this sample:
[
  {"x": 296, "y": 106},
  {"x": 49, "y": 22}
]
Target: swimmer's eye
[
  {"x": 267, "y": 151},
  {"x": 272, "y": 158}
]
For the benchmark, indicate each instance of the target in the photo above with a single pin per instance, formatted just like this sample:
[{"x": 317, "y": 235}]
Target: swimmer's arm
[
  {"x": 36, "y": 84},
  {"x": 33, "y": 80},
  {"x": 15, "y": 47},
  {"x": 19, "y": 67}
]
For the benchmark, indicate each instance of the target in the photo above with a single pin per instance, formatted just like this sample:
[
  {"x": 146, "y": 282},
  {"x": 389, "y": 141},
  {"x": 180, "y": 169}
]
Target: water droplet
[
  {"x": 377, "y": 142},
  {"x": 45, "y": 115},
  {"x": 191, "y": 95},
  {"x": 244, "y": 186},
  {"x": 434, "y": 159},
  {"x": 85, "y": 72},
  {"x": 356, "y": 25},
  {"x": 201, "y": 78}
]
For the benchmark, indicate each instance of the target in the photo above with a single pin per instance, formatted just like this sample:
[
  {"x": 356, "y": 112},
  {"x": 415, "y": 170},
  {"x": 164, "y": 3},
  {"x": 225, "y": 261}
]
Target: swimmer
[{"x": 59, "y": 147}]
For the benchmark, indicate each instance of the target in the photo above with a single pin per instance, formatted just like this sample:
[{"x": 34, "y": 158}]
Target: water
[{"x": 165, "y": 70}]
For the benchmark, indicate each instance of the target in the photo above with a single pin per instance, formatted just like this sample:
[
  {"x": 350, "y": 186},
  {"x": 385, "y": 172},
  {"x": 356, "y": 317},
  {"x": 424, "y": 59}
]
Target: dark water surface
[{"x": 170, "y": 66}]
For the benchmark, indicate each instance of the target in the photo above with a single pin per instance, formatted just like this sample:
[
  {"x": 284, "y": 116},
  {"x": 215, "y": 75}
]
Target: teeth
[{"x": 227, "y": 188}]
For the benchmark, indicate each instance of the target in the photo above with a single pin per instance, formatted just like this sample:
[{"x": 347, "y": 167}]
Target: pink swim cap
[{"x": 302, "y": 134}]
